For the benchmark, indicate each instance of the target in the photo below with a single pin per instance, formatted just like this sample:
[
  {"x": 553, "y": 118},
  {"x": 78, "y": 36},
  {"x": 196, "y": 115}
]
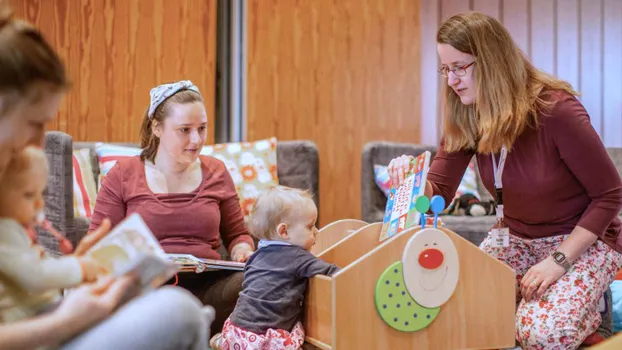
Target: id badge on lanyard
[{"x": 500, "y": 234}]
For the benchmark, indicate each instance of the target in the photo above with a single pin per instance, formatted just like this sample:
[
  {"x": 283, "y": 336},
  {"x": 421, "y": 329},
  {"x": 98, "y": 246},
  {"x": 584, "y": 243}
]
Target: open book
[
  {"x": 400, "y": 212},
  {"x": 132, "y": 248},
  {"x": 190, "y": 263}
]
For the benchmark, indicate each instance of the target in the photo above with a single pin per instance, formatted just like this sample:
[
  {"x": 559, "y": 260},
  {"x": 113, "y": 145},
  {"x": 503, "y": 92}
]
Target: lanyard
[{"x": 498, "y": 172}]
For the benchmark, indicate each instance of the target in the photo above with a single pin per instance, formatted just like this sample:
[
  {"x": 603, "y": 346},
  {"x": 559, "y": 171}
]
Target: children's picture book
[
  {"x": 190, "y": 263},
  {"x": 132, "y": 248},
  {"x": 400, "y": 212}
]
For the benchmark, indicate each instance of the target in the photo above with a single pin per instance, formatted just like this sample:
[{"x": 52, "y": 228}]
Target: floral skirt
[
  {"x": 235, "y": 338},
  {"x": 569, "y": 310}
]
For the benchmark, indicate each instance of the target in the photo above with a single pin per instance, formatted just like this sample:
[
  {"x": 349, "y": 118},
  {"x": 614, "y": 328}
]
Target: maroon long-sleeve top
[
  {"x": 556, "y": 177},
  {"x": 183, "y": 223}
]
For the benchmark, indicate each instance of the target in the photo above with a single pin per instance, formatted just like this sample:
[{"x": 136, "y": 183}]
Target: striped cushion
[
  {"x": 84, "y": 188},
  {"x": 108, "y": 155}
]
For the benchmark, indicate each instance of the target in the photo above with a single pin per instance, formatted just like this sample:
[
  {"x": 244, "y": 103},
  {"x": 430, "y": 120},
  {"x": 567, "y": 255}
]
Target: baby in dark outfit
[{"x": 268, "y": 312}]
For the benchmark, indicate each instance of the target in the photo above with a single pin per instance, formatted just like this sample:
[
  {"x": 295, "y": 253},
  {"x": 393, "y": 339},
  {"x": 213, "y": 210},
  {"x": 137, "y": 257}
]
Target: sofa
[
  {"x": 297, "y": 166},
  {"x": 373, "y": 200}
]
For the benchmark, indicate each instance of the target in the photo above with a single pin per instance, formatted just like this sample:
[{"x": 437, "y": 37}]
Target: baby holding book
[
  {"x": 268, "y": 312},
  {"x": 30, "y": 279}
]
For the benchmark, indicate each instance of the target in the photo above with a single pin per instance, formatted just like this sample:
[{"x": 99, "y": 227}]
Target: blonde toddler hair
[
  {"x": 275, "y": 206},
  {"x": 30, "y": 158}
]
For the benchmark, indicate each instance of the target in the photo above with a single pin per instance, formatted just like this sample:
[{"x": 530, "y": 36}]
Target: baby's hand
[{"x": 91, "y": 268}]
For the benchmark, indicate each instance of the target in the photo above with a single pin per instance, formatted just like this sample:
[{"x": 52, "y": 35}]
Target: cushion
[
  {"x": 108, "y": 155},
  {"x": 252, "y": 166},
  {"x": 84, "y": 187},
  {"x": 381, "y": 176}
]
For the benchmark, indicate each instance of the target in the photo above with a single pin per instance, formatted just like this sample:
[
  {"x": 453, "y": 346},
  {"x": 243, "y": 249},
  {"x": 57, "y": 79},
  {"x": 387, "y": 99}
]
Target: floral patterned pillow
[{"x": 252, "y": 166}]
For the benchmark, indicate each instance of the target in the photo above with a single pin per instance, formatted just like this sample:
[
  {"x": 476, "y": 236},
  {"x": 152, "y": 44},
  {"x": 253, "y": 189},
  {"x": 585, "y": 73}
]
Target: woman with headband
[
  {"x": 94, "y": 316},
  {"x": 189, "y": 201}
]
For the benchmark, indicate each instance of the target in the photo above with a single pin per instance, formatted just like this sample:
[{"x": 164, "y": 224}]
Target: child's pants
[{"x": 568, "y": 311}]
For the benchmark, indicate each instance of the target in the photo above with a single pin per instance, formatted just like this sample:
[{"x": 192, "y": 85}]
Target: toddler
[
  {"x": 30, "y": 279},
  {"x": 268, "y": 311}
]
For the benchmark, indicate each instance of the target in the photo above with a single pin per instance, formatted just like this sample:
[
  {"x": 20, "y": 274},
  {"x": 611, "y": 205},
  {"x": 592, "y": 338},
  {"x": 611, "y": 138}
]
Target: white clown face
[{"x": 431, "y": 267}]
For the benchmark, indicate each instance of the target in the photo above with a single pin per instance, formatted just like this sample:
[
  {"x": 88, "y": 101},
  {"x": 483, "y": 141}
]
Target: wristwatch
[{"x": 560, "y": 259}]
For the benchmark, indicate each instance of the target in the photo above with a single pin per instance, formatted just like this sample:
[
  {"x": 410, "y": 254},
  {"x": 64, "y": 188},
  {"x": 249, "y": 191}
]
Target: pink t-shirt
[{"x": 184, "y": 223}]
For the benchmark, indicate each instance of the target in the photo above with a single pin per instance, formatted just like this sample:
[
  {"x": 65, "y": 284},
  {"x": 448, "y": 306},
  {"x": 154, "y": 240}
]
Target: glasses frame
[{"x": 444, "y": 70}]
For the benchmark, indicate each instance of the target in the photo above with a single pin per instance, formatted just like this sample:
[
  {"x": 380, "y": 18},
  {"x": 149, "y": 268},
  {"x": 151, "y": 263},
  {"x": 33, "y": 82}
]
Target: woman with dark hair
[
  {"x": 189, "y": 201},
  {"x": 558, "y": 193},
  {"x": 93, "y": 316}
]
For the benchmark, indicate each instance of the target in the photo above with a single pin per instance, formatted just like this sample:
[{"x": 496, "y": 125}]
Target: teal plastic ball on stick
[
  {"x": 437, "y": 204},
  {"x": 422, "y": 204}
]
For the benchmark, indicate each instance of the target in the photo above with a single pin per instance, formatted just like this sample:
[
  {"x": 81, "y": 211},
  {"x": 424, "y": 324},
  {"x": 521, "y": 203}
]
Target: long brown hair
[
  {"x": 26, "y": 59},
  {"x": 148, "y": 141},
  {"x": 510, "y": 91}
]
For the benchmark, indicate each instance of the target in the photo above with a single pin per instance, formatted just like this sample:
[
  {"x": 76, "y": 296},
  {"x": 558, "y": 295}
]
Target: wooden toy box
[{"x": 340, "y": 311}]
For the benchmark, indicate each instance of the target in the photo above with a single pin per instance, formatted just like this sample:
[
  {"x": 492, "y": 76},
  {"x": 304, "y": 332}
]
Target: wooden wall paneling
[
  {"x": 591, "y": 60},
  {"x": 337, "y": 73},
  {"x": 489, "y": 7},
  {"x": 430, "y": 79},
  {"x": 542, "y": 35},
  {"x": 116, "y": 51},
  {"x": 567, "y": 42},
  {"x": 452, "y": 7},
  {"x": 515, "y": 16},
  {"x": 612, "y": 73}
]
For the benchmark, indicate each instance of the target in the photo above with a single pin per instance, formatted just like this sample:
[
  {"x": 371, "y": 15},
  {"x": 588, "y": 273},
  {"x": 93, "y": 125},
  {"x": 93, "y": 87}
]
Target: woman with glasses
[{"x": 558, "y": 193}]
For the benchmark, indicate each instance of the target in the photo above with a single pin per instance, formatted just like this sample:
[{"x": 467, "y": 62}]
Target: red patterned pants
[{"x": 568, "y": 312}]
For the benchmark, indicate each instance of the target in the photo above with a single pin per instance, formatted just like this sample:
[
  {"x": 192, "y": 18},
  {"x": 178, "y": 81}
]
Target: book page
[
  {"x": 190, "y": 263},
  {"x": 132, "y": 247}
]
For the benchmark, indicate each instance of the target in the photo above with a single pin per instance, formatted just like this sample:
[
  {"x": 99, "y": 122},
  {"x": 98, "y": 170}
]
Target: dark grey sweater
[{"x": 273, "y": 291}]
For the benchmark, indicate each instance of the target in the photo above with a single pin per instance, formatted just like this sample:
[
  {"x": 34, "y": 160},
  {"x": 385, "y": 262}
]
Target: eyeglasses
[{"x": 458, "y": 71}]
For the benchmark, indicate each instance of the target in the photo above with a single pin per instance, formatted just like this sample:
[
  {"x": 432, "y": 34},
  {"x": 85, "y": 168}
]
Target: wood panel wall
[
  {"x": 116, "y": 51},
  {"x": 339, "y": 73},
  {"x": 577, "y": 40}
]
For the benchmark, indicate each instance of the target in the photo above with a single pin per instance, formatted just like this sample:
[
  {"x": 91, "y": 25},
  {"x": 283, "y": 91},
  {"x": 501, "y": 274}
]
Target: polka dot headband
[{"x": 164, "y": 91}]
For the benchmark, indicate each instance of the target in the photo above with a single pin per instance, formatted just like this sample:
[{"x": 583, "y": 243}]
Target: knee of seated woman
[
  {"x": 537, "y": 331},
  {"x": 175, "y": 302}
]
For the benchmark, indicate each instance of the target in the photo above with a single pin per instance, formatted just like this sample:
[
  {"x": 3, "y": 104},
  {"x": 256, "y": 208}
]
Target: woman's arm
[
  {"x": 36, "y": 332},
  {"x": 81, "y": 309},
  {"x": 446, "y": 172},
  {"x": 584, "y": 154},
  {"x": 110, "y": 203}
]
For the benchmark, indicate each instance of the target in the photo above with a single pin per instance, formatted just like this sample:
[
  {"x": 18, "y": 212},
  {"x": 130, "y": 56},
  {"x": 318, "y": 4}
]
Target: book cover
[
  {"x": 132, "y": 248},
  {"x": 400, "y": 212}
]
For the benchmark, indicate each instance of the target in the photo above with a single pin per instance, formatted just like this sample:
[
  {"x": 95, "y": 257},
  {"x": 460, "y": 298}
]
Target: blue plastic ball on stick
[{"x": 437, "y": 204}]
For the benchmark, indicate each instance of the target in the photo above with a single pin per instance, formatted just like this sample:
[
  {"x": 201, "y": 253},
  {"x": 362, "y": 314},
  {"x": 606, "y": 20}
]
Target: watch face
[{"x": 559, "y": 257}]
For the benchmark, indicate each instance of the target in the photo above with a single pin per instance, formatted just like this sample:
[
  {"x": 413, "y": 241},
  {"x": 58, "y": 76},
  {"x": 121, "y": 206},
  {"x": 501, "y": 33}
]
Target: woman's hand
[
  {"x": 88, "y": 305},
  {"x": 539, "y": 278},
  {"x": 398, "y": 168},
  {"x": 92, "y": 238},
  {"x": 241, "y": 252}
]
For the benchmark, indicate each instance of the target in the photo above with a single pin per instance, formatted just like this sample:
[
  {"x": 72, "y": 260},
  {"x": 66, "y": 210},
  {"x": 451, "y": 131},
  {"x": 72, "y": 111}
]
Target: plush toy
[{"x": 468, "y": 204}]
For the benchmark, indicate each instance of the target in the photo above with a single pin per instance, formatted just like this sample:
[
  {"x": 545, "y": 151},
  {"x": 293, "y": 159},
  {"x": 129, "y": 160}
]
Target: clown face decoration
[{"x": 431, "y": 268}]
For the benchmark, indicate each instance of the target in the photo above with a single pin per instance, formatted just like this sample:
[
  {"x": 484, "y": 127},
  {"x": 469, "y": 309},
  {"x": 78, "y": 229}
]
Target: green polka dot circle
[{"x": 396, "y": 307}]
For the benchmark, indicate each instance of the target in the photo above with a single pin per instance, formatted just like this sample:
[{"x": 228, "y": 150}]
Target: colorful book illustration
[
  {"x": 190, "y": 263},
  {"x": 132, "y": 248},
  {"x": 400, "y": 212}
]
